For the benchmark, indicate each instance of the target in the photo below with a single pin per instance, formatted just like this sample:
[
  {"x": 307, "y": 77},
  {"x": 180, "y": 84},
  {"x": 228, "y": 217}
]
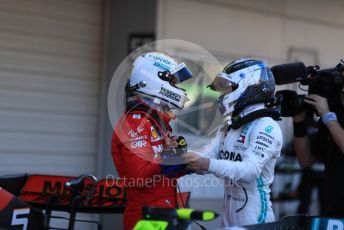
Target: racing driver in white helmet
[
  {"x": 247, "y": 146},
  {"x": 143, "y": 133}
]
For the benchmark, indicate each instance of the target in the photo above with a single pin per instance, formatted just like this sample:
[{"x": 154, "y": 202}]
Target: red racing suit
[{"x": 137, "y": 142}]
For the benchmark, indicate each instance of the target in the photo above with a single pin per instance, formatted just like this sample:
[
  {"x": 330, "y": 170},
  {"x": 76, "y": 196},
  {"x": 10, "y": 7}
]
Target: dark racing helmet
[{"x": 243, "y": 82}]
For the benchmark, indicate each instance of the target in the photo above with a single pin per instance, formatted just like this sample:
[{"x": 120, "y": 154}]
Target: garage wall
[
  {"x": 126, "y": 17},
  {"x": 50, "y": 71},
  {"x": 266, "y": 29}
]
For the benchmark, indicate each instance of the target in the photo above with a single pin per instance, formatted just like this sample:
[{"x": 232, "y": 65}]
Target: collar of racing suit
[
  {"x": 229, "y": 120},
  {"x": 160, "y": 117},
  {"x": 253, "y": 112},
  {"x": 251, "y": 108}
]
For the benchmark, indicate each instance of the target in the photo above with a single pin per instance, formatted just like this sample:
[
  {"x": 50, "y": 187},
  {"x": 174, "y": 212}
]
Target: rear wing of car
[{"x": 104, "y": 196}]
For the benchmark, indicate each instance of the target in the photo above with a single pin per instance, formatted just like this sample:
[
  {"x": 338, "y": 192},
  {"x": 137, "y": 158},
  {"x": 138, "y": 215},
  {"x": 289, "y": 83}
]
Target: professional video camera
[{"x": 324, "y": 82}]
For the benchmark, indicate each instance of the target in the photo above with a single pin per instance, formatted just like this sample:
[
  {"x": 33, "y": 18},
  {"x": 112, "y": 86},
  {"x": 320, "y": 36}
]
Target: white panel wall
[
  {"x": 266, "y": 29},
  {"x": 50, "y": 71}
]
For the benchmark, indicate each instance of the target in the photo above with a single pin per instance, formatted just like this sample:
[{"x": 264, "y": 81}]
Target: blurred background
[{"x": 57, "y": 59}]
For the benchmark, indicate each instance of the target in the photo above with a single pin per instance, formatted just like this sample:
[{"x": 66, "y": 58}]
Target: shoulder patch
[
  {"x": 154, "y": 132},
  {"x": 136, "y": 116},
  {"x": 269, "y": 128}
]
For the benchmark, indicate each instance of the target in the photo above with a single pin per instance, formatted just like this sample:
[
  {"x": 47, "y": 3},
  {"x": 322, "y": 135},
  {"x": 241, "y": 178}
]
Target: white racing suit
[{"x": 245, "y": 158}]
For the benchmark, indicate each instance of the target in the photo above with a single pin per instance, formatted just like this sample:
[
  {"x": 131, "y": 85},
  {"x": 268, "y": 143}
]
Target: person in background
[
  {"x": 246, "y": 148},
  {"x": 327, "y": 146},
  {"x": 143, "y": 133}
]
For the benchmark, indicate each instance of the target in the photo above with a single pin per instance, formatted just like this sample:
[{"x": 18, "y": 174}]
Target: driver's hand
[
  {"x": 171, "y": 142},
  {"x": 195, "y": 162}
]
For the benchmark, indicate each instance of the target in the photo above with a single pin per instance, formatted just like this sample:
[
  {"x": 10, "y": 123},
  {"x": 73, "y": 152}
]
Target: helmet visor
[
  {"x": 221, "y": 83},
  {"x": 246, "y": 76},
  {"x": 181, "y": 73}
]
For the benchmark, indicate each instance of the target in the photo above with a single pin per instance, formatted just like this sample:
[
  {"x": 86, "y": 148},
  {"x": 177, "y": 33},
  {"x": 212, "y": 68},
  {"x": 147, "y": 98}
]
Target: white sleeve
[
  {"x": 211, "y": 150},
  {"x": 263, "y": 146}
]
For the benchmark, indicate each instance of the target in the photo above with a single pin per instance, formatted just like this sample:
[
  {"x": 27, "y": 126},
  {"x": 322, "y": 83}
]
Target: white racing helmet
[
  {"x": 154, "y": 76},
  {"x": 243, "y": 82}
]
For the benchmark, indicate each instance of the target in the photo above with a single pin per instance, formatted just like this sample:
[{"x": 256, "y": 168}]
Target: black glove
[
  {"x": 172, "y": 162},
  {"x": 169, "y": 155}
]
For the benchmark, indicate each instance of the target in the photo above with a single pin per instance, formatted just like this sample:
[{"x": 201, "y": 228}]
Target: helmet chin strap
[{"x": 228, "y": 101}]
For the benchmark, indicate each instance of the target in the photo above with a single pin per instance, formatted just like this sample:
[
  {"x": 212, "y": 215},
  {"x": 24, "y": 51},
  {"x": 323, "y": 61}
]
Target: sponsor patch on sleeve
[
  {"x": 136, "y": 116},
  {"x": 154, "y": 133}
]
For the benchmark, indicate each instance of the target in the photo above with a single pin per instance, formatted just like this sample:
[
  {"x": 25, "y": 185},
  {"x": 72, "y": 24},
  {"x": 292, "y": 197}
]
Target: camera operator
[{"x": 327, "y": 146}]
